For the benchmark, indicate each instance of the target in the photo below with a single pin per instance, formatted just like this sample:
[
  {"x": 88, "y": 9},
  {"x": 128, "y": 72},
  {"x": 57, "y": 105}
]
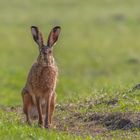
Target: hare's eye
[{"x": 50, "y": 51}]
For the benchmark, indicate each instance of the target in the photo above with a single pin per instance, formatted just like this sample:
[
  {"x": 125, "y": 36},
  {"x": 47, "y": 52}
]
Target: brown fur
[{"x": 39, "y": 91}]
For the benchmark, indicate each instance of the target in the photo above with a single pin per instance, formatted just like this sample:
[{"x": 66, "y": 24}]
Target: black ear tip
[
  {"x": 33, "y": 27},
  {"x": 57, "y": 27}
]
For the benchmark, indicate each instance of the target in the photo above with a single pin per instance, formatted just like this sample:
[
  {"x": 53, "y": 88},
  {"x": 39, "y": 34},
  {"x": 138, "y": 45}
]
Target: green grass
[
  {"x": 11, "y": 128},
  {"x": 98, "y": 54}
]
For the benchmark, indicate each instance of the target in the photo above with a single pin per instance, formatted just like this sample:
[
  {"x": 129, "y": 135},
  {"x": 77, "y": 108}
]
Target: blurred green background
[
  {"x": 98, "y": 55},
  {"x": 98, "y": 49}
]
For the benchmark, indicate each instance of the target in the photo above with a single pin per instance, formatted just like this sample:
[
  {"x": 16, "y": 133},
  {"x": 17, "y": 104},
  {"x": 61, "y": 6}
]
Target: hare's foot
[
  {"x": 48, "y": 126},
  {"x": 40, "y": 125},
  {"x": 29, "y": 123}
]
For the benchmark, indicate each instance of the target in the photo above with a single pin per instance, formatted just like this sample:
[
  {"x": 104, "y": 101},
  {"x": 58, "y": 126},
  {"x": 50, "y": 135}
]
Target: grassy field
[{"x": 98, "y": 55}]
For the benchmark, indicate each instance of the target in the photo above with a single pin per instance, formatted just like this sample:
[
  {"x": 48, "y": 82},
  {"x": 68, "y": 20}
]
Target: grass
[
  {"x": 97, "y": 55},
  {"x": 15, "y": 130}
]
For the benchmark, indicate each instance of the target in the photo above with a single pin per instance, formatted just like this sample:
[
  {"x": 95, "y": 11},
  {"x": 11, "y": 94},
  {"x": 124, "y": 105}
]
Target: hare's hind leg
[
  {"x": 27, "y": 103},
  {"x": 52, "y": 106},
  {"x": 40, "y": 114}
]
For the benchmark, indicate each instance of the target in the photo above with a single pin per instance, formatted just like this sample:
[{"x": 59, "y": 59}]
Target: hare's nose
[{"x": 44, "y": 52}]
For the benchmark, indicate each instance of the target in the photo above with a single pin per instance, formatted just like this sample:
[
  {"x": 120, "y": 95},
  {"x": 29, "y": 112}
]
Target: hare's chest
[
  {"x": 48, "y": 77},
  {"x": 44, "y": 80}
]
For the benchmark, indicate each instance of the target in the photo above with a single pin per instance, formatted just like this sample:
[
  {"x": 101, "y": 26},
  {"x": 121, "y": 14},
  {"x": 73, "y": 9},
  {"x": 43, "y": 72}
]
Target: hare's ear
[
  {"x": 37, "y": 36},
  {"x": 53, "y": 36}
]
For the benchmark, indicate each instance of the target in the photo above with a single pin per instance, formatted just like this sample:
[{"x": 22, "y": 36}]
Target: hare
[{"x": 39, "y": 92}]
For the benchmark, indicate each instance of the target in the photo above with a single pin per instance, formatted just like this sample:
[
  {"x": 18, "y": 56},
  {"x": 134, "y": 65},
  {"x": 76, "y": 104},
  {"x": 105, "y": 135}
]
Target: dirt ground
[
  {"x": 68, "y": 119},
  {"x": 92, "y": 123}
]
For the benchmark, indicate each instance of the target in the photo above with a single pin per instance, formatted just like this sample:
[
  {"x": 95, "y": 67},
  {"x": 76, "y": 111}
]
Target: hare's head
[{"x": 46, "y": 50}]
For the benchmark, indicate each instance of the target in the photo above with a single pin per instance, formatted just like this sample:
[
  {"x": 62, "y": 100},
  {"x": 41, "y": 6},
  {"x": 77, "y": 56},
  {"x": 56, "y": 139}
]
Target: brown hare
[{"x": 39, "y": 92}]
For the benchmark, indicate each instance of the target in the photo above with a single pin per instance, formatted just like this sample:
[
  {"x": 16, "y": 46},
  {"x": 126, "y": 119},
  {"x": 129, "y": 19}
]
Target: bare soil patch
[{"x": 68, "y": 119}]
